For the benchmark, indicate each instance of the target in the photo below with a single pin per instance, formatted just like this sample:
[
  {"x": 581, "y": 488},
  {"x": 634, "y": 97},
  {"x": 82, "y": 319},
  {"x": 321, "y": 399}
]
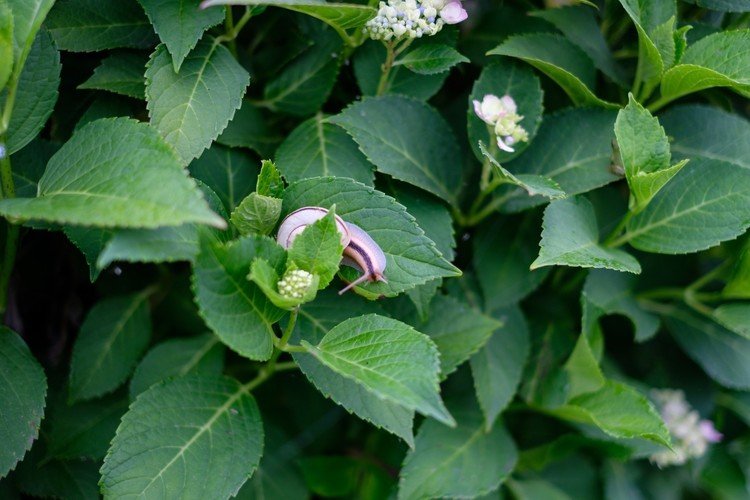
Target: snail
[{"x": 360, "y": 250}]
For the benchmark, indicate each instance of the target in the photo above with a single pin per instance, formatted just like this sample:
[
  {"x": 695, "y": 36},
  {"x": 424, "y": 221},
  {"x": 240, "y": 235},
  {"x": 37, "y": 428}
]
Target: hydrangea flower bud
[
  {"x": 295, "y": 284},
  {"x": 401, "y": 19},
  {"x": 490, "y": 109},
  {"x": 453, "y": 13},
  {"x": 500, "y": 113}
]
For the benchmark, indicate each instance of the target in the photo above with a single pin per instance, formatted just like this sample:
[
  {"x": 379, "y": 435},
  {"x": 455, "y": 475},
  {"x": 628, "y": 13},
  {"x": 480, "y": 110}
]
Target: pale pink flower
[{"x": 453, "y": 12}]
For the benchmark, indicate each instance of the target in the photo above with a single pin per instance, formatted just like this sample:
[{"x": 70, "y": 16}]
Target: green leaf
[
  {"x": 23, "y": 388},
  {"x": 190, "y": 109},
  {"x": 708, "y": 132},
  {"x": 723, "y": 5},
  {"x": 267, "y": 278},
  {"x": 196, "y": 436},
  {"x": 573, "y": 148},
  {"x": 91, "y": 241},
  {"x": 464, "y": 462},
  {"x": 644, "y": 149},
  {"x": 202, "y": 354},
  {"x": 331, "y": 476},
  {"x": 228, "y": 172},
  {"x": 315, "y": 320},
  {"x": 387, "y": 357},
  {"x": 180, "y": 24},
  {"x": 115, "y": 173},
  {"x": 560, "y": 60},
  {"x": 718, "y": 60},
  {"x": 457, "y": 330},
  {"x": 531, "y": 489},
  {"x": 121, "y": 73},
  {"x": 531, "y": 183},
  {"x": 618, "y": 410},
  {"x": 571, "y": 238},
  {"x": 318, "y": 249},
  {"x": 721, "y": 353},
  {"x": 400, "y": 147},
  {"x": 663, "y": 36},
  {"x": 738, "y": 282},
  {"x": 610, "y": 292},
  {"x": 76, "y": 479},
  {"x": 84, "y": 430},
  {"x": 84, "y": 26},
  {"x": 257, "y": 214},
  {"x": 316, "y": 148},
  {"x": 36, "y": 95},
  {"x": 248, "y": 129},
  {"x": 163, "y": 244},
  {"x": 112, "y": 339},
  {"x": 6, "y": 43},
  {"x": 234, "y": 308},
  {"x": 517, "y": 81},
  {"x": 28, "y": 16},
  {"x": 705, "y": 204},
  {"x": 411, "y": 257},
  {"x": 431, "y": 58},
  {"x": 580, "y": 26},
  {"x": 582, "y": 368},
  {"x": 498, "y": 366},
  {"x": 269, "y": 181},
  {"x": 735, "y": 317},
  {"x": 29, "y": 164}
]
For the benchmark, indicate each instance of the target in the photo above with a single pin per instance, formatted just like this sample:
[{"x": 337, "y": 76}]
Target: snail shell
[{"x": 297, "y": 221}]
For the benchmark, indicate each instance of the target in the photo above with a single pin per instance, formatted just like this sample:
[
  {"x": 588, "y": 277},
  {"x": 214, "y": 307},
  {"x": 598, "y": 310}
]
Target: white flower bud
[{"x": 295, "y": 284}]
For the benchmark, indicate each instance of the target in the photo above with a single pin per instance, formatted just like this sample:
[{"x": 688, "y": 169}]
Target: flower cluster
[
  {"x": 295, "y": 284},
  {"x": 500, "y": 113},
  {"x": 399, "y": 19},
  {"x": 690, "y": 435}
]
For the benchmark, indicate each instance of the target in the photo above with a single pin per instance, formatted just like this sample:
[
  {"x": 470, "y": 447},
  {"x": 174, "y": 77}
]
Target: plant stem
[
  {"x": 232, "y": 34},
  {"x": 7, "y": 190},
  {"x": 614, "y": 239},
  {"x": 229, "y": 27},
  {"x": 272, "y": 366},
  {"x": 659, "y": 103},
  {"x": 385, "y": 69}
]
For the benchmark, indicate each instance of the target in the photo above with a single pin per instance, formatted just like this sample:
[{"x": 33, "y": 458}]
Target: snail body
[{"x": 360, "y": 251}]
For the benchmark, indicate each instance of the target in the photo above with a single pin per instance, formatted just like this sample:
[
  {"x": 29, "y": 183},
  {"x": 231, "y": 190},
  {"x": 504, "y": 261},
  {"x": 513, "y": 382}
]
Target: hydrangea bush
[{"x": 403, "y": 249}]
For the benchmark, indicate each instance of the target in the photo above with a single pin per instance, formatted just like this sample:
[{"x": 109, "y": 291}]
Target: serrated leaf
[
  {"x": 248, "y": 129},
  {"x": 610, "y": 292},
  {"x": 163, "y": 244},
  {"x": 706, "y": 203},
  {"x": 582, "y": 369},
  {"x": 6, "y": 43},
  {"x": 318, "y": 149},
  {"x": 517, "y": 81},
  {"x": 431, "y": 58},
  {"x": 718, "y": 60},
  {"x": 315, "y": 320},
  {"x": 269, "y": 181},
  {"x": 498, "y": 366},
  {"x": 37, "y": 93},
  {"x": 203, "y": 355},
  {"x": 196, "y": 436},
  {"x": 318, "y": 249},
  {"x": 400, "y": 148},
  {"x": 84, "y": 26},
  {"x": 23, "y": 388},
  {"x": 121, "y": 73},
  {"x": 85, "y": 182},
  {"x": 229, "y": 173},
  {"x": 457, "y": 330},
  {"x": 388, "y": 358},
  {"x": 573, "y": 148},
  {"x": 735, "y": 317},
  {"x": 708, "y": 132},
  {"x": 578, "y": 24},
  {"x": 257, "y": 214},
  {"x": 559, "y": 59},
  {"x": 531, "y": 183},
  {"x": 113, "y": 337},
  {"x": 571, "y": 238},
  {"x": 721, "y": 353},
  {"x": 234, "y": 308},
  {"x": 464, "y": 462},
  {"x": 180, "y": 24},
  {"x": 411, "y": 257},
  {"x": 192, "y": 108},
  {"x": 663, "y": 37},
  {"x": 91, "y": 241}
]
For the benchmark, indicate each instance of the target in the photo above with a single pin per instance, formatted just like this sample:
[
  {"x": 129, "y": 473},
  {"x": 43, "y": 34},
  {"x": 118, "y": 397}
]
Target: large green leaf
[
  {"x": 191, "y": 108},
  {"x": 411, "y": 257},
  {"x": 718, "y": 60},
  {"x": 400, "y": 147},
  {"x": 464, "y": 462},
  {"x": 319, "y": 149},
  {"x": 388, "y": 358},
  {"x": 498, "y": 366},
  {"x": 37, "y": 93},
  {"x": 84, "y": 25},
  {"x": 523, "y": 86},
  {"x": 112, "y": 339},
  {"x": 180, "y": 24},
  {"x": 121, "y": 73},
  {"x": 230, "y": 173},
  {"x": 194, "y": 437},
  {"x": 573, "y": 148},
  {"x": 705, "y": 204},
  {"x": 571, "y": 238},
  {"x": 721, "y": 353},
  {"x": 559, "y": 59},
  {"x": 115, "y": 173},
  {"x": 315, "y": 320},
  {"x": 233, "y": 307},
  {"x": 176, "y": 358},
  {"x": 23, "y": 388}
]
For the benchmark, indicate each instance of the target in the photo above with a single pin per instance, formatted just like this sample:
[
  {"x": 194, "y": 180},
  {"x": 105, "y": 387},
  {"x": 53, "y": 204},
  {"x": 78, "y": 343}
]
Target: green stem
[
  {"x": 229, "y": 28},
  {"x": 272, "y": 366},
  {"x": 614, "y": 239},
  {"x": 385, "y": 69},
  {"x": 7, "y": 190},
  {"x": 232, "y": 34},
  {"x": 281, "y": 344},
  {"x": 489, "y": 209},
  {"x": 659, "y": 103}
]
